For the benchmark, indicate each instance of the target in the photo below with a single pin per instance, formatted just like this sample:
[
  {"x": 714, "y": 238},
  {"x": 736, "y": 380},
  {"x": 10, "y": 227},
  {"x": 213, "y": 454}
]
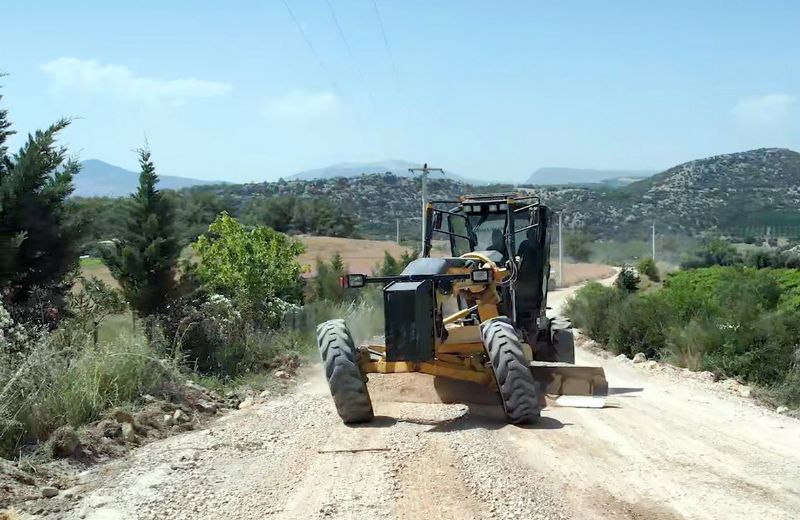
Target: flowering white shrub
[
  {"x": 221, "y": 312},
  {"x": 277, "y": 309}
]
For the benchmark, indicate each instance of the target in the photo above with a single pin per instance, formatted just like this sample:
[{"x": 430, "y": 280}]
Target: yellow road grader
[{"x": 478, "y": 315}]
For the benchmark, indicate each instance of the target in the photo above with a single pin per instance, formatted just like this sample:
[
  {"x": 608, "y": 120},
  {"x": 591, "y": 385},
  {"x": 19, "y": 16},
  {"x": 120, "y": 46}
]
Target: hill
[
  {"x": 550, "y": 176},
  {"x": 398, "y": 168},
  {"x": 101, "y": 179},
  {"x": 752, "y": 192},
  {"x": 739, "y": 194}
]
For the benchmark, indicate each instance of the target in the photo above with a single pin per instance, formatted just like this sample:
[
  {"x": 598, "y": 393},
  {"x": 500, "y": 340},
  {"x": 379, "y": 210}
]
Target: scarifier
[{"x": 479, "y": 315}]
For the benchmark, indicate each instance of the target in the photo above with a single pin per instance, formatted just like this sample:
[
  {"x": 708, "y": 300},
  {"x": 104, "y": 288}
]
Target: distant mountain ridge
[
  {"x": 101, "y": 179},
  {"x": 550, "y": 176},
  {"x": 349, "y": 170},
  {"x": 744, "y": 193}
]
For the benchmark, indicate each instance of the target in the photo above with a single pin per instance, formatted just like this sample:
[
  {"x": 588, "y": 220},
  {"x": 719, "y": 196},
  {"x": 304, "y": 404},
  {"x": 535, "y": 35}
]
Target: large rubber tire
[
  {"x": 557, "y": 343},
  {"x": 347, "y": 383},
  {"x": 563, "y": 341},
  {"x": 518, "y": 389}
]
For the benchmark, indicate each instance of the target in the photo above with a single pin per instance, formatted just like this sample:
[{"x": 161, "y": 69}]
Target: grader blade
[{"x": 575, "y": 386}]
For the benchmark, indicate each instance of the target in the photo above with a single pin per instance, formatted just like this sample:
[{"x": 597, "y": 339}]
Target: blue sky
[{"x": 231, "y": 90}]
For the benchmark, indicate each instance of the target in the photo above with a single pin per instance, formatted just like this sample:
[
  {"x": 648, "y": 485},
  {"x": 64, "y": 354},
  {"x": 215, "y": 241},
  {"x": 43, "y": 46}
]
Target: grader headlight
[{"x": 481, "y": 275}]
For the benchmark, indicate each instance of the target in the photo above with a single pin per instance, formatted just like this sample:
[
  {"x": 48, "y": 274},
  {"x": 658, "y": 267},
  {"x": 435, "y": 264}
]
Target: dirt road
[{"x": 666, "y": 446}]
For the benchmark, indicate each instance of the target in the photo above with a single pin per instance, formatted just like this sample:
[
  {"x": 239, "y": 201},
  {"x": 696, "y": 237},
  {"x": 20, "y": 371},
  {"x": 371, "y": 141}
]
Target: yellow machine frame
[{"x": 460, "y": 355}]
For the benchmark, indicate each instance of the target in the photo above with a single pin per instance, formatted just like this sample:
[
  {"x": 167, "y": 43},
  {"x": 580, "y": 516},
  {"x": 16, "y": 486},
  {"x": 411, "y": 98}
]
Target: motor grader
[{"x": 478, "y": 315}]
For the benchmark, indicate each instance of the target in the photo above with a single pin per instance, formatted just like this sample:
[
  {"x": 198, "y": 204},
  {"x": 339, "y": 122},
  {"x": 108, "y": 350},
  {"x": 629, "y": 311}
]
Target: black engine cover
[{"x": 409, "y": 317}]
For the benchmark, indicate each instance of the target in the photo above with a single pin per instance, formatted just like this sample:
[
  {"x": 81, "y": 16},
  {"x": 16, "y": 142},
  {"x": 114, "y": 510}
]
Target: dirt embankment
[{"x": 665, "y": 446}]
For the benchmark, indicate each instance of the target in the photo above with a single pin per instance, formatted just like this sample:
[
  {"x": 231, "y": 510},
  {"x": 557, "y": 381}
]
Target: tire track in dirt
[{"x": 666, "y": 447}]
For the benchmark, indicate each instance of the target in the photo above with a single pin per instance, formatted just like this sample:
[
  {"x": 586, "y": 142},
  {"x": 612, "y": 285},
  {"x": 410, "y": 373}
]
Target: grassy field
[{"x": 94, "y": 267}]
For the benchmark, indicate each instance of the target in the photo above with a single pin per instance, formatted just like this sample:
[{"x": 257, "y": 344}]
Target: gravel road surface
[{"x": 667, "y": 445}]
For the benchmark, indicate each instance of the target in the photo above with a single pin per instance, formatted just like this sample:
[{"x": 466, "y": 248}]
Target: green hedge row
[{"x": 737, "y": 322}]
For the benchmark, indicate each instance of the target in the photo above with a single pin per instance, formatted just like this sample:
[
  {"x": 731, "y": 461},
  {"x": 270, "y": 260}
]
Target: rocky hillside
[
  {"x": 757, "y": 188},
  {"x": 740, "y": 193}
]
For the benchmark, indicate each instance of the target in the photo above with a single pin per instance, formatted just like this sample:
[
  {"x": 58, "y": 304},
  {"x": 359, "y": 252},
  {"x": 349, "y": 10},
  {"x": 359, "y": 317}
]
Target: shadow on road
[
  {"x": 484, "y": 408},
  {"x": 485, "y": 417},
  {"x": 491, "y": 418},
  {"x": 624, "y": 390}
]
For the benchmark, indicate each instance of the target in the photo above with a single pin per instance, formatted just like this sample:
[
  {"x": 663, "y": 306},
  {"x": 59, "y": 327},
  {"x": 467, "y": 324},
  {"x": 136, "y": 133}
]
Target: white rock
[
  {"x": 782, "y": 409},
  {"x": 179, "y": 416},
  {"x": 651, "y": 365},
  {"x": 745, "y": 391},
  {"x": 206, "y": 407},
  {"x": 706, "y": 376},
  {"x": 639, "y": 357},
  {"x": 731, "y": 384},
  {"x": 264, "y": 394},
  {"x": 168, "y": 420},
  {"x": 247, "y": 403},
  {"x": 49, "y": 492},
  {"x": 282, "y": 374},
  {"x": 622, "y": 358}
]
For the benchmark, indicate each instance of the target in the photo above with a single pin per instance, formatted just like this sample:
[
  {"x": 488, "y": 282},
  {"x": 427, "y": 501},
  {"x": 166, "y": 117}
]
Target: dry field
[
  {"x": 581, "y": 272},
  {"x": 360, "y": 256}
]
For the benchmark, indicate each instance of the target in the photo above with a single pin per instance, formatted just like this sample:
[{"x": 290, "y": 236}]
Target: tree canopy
[
  {"x": 38, "y": 250},
  {"x": 253, "y": 265},
  {"x": 143, "y": 259}
]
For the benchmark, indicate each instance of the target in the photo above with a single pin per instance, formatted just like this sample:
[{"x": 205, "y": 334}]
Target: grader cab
[{"x": 478, "y": 315}]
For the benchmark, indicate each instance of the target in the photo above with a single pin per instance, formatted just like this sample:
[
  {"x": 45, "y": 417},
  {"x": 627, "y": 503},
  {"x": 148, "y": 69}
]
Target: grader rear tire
[
  {"x": 557, "y": 343},
  {"x": 340, "y": 360},
  {"x": 564, "y": 342},
  {"x": 518, "y": 389}
]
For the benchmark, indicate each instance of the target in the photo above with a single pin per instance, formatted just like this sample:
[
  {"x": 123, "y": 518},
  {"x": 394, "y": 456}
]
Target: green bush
[
  {"x": 591, "y": 307},
  {"x": 647, "y": 266},
  {"x": 736, "y": 321},
  {"x": 711, "y": 252},
  {"x": 576, "y": 245},
  {"x": 627, "y": 280},
  {"x": 639, "y": 323},
  {"x": 256, "y": 267},
  {"x": 687, "y": 345}
]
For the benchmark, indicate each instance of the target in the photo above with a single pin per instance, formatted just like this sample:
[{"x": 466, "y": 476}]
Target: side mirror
[{"x": 353, "y": 281}]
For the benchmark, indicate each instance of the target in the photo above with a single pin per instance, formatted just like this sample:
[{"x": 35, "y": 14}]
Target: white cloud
[
  {"x": 302, "y": 105},
  {"x": 763, "y": 111},
  {"x": 95, "y": 78}
]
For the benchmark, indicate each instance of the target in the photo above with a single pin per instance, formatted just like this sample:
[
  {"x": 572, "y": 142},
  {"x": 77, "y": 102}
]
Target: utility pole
[
  {"x": 398, "y": 231},
  {"x": 424, "y": 171},
  {"x": 560, "y": 249},
  {"x": 654, "y": 241}
]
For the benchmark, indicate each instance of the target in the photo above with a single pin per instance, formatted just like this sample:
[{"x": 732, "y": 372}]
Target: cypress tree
[
  {"x": 38, "y": 245},
  {"x": 143, "y": 260}
]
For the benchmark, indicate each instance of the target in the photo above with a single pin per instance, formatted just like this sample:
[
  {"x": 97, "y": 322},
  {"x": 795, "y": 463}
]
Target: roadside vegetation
[
  {"x": 738, "y": 321},
  {"x": 74, "y": 348}
]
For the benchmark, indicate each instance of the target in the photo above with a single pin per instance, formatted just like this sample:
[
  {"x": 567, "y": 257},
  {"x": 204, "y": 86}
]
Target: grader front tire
[
  {"x": 518, "y": 389},
  {"x": 346, "y": 382}
]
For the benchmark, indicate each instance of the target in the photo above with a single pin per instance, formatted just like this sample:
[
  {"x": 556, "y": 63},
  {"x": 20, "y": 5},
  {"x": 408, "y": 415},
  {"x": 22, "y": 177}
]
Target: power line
[
  {"x": 398, "y": 81},
  {"x": 311, "y": 47},
  {"x": 349, "y": 50},
  {"x": 386, "y": 41},
  {"x": 354, "y": 63}
]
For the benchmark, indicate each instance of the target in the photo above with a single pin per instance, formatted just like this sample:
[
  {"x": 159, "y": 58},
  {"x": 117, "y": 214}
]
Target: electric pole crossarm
[{"x": 424, "y": 171}]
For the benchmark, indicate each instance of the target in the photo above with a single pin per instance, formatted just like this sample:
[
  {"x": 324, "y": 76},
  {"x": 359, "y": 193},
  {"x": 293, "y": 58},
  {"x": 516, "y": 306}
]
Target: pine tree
[
  {"x": 143, "y": 260},
  {"x": 38, "y": 245}
]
